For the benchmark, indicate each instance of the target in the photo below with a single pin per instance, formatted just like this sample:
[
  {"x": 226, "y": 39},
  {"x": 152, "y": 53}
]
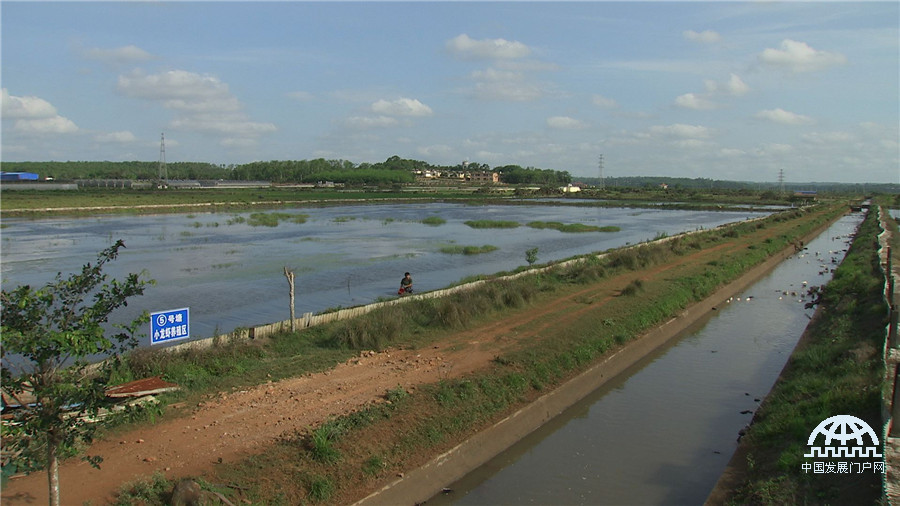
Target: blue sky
[{"x": 723, "y": 90}]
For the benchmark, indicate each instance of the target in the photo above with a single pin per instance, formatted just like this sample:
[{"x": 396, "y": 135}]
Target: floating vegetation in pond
[
  {"x": 571, "y": 227},
  {"x": 492, "y": 224},
  {"x": 468, "y": 250},
  {"x": 272, "y": 219},
  {"x": 434, "y": 221}
]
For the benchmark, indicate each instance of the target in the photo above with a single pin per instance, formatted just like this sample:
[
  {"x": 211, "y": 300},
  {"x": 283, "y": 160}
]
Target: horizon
[{"x": 731, "y": 91}]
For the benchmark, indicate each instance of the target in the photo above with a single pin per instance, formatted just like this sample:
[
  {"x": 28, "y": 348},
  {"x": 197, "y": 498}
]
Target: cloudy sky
[{"x": 724, "y": 90}]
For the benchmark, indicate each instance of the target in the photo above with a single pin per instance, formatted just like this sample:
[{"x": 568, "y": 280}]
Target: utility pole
[{"x": 163, "y": 172}]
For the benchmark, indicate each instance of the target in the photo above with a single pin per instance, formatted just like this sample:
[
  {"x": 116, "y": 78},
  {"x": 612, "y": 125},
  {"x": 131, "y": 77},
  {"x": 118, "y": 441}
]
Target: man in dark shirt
[{"x": 405, "y": 284}]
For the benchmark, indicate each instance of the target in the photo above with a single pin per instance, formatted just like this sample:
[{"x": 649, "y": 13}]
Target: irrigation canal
[{"x": 663, "y": 431}]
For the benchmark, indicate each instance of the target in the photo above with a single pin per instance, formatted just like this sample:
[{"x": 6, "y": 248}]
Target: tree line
[{"x": 394, "y": 170}]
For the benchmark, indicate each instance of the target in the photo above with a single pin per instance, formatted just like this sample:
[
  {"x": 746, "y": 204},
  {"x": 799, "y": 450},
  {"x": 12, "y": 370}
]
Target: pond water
[
  {"x": 230, "y": 274},
  {"x": 663, "y": 431}
]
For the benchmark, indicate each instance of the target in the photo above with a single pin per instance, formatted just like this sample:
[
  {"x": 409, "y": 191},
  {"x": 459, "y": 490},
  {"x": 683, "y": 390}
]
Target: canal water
[
  {"x": 663, "y": 431},
  {"x": 231, "y": 273}
]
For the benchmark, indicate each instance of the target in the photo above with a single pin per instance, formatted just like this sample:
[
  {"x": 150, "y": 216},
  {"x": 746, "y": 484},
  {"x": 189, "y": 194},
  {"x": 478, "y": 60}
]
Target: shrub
[{"x": 633, "y": 288}]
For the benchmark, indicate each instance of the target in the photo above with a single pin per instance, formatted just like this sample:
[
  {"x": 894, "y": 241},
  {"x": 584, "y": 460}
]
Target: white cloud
[
  {"x": 681, "y": 131},
  {"x": 203, "y": 102},
  {"x": 694, "y": 101},
  {"x": 118, "y": 56},
  {"x": 783, "y": 117},
  {"x": 229, "y": 125},
  {"x": 604, "y": 102},
  {"x": 705, "y": 37},
  {"x": 177, "y": 88},
  {"x": 366, "y": 122},
  {"x": 731, "y": 152},
  {"x": 515, "y": 91},
  {"x": 34, "y": 115},
  {"x": 774, "y": 149},
  {"x": 565, "y": 123},
  {"x": 692, "y": 144},
  {"x": 242, "y": 143},
  {"x": 55, "y": 125},
  {"x": 800, "y": 57},
  {"x": 464, "y": 46},
  {"x": 14, "y": 107},
  {"x": 436, "y": 151},
  {"x": 734, "y": 86},
  {"x": 116, "y": 137},
  {"x": 494, "y": 75},
  {"x": 402, "y": 107},
  {"x": 828, "y": 138}
]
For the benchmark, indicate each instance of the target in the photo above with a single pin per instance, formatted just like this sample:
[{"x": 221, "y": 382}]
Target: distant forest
[{"x": 396, "y": 170}]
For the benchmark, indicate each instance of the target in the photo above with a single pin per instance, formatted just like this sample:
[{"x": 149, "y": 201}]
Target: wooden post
[{"x": 290, "y": 277}]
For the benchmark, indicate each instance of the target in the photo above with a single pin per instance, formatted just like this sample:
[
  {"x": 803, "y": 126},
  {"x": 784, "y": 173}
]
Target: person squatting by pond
[{"x": 405, "y": 284}]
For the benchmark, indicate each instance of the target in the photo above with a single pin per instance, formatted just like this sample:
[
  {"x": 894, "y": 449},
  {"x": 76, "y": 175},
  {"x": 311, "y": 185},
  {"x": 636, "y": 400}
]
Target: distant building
[
  {"x": 483, "y": 177},
  {"x": 570, "y": 188}
]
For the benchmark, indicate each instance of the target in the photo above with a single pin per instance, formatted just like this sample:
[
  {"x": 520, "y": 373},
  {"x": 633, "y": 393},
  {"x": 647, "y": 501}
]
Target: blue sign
[{"x": 169, "y": 325}]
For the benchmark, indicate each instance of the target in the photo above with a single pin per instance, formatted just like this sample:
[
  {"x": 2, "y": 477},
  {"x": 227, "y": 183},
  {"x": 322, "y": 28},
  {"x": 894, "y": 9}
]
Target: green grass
[
  {"x": 571, "y": 227},
  {"x": 467, "y": 250},
  {"x": 434, "y": 221},
  {"x": 492, "y": 224}
]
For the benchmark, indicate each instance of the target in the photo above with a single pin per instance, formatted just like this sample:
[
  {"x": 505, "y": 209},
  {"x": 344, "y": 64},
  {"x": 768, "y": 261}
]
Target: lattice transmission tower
[
  {"x": 163, "y": 172},
  {"x": 602, "y": 183}
]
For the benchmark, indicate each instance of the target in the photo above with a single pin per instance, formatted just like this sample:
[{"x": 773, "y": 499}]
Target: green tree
[
  {"x": 49, "y": 334},
  {"x": 531, "y": 256}
]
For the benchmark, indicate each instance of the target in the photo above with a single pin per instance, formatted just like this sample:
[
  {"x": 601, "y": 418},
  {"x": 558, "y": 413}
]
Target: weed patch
[{"x": 492, "y": 224}]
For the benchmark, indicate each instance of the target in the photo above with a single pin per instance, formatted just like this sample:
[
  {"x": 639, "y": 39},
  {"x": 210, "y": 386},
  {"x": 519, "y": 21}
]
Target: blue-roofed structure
[{"x": 18, "y": 176}]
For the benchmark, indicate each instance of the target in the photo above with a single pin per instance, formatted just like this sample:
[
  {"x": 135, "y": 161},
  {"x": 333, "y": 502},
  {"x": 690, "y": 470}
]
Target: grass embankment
[
  {"x": 36, "y": 203},
  {"x": 837, "y": 368},
  {"x": 351, "y": 455}
]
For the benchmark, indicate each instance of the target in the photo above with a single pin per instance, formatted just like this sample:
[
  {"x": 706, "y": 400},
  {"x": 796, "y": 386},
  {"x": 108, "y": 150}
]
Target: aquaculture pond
[{"x": 228, "y": 268}]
